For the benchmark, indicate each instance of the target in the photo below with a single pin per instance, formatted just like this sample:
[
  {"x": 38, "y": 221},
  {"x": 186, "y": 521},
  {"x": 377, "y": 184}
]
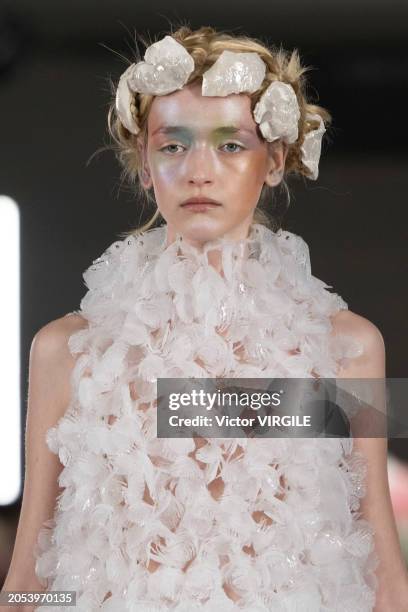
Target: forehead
[{"x": 188, "y": 107}]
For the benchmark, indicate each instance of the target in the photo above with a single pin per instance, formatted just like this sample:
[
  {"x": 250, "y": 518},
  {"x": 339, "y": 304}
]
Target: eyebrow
[{"x": 225, "y": 130}]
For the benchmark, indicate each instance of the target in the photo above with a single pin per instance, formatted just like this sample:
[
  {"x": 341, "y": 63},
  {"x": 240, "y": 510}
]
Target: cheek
[
  {"x": 250, "y": 171},
  {"x": 163, "y": 171}
]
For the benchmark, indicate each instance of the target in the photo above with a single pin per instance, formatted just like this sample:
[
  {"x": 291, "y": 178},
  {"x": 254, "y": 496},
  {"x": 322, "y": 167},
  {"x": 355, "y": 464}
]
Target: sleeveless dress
[{"x": 147, "y": 524}]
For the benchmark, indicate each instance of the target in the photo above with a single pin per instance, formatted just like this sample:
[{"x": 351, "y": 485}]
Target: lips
[{"x": 200, "y": 200}]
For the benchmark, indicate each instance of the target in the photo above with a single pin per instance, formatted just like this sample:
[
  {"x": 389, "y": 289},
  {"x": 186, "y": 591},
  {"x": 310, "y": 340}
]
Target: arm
[
  {"x": 50, "y": 367},
  {"x": 376, "y": 507}
]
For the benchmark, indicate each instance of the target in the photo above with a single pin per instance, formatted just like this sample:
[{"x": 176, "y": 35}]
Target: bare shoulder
[
  {"x": 52, "y": 338},
  {"x": 50, "y": 366},
  {"x": 372, "y": 361},
  {"x": 51, "y": 361},
  {"x": 362, "y": 329}
]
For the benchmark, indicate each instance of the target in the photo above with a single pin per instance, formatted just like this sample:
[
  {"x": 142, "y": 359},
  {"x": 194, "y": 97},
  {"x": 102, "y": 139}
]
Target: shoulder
[
  {"x": 350, "y": 323},
  {"x": 371, "y": 363},
  {"x": 50, "y": 368},
  {"x": 51, "y": 340}
]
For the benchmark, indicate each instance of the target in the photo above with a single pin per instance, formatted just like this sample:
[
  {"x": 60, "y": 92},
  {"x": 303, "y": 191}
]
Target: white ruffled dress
[{"x": 138, "y": 526}]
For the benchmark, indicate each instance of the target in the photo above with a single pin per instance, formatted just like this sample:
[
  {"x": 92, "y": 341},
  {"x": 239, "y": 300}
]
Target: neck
[{"x": 212, "y": 246}]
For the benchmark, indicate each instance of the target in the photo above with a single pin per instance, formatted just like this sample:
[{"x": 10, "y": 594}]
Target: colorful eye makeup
[{"x": 185, "y": 136}]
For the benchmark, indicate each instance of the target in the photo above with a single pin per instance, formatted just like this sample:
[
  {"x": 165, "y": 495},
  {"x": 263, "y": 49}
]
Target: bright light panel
[{"x": 10, "y": 403}]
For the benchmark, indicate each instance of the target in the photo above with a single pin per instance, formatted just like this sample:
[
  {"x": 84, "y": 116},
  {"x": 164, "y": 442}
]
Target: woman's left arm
[{"x": 376, "y": 507}]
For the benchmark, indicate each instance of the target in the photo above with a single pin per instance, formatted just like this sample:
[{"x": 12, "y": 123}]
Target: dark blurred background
[{"x": 56, "y": 59}]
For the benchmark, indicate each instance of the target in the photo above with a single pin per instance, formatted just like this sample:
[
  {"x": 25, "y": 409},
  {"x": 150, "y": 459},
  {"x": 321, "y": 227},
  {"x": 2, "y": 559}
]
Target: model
[{"x": 210, "y": 124}]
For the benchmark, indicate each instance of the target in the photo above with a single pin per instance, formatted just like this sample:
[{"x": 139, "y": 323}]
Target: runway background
[{"x": 54, "y": 95}]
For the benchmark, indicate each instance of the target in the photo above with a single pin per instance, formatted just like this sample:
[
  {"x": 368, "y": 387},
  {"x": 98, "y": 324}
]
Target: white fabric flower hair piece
[
  {"x": 167, "y": 66},
  {"x": 234, "y": 73},
  {"x": 277, "y": 113},
  {"x": 312, "y": 146}
]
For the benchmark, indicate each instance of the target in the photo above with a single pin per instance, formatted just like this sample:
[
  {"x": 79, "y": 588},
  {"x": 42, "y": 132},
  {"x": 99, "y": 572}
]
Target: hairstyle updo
[{"x": 205, "y": 45}]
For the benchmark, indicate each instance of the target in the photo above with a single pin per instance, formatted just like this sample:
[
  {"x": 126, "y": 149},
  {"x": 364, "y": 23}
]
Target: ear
[
  {"x": 278, "y": 151},
  {"x": 144, "y": 170}
]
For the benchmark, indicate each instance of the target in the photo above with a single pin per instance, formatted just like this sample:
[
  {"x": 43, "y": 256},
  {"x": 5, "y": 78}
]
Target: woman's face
[{"x": 207, "y": 147}]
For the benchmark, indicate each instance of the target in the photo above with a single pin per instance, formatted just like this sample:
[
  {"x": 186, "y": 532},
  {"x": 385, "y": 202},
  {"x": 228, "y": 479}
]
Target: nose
[{"x": 200, "y": 167}]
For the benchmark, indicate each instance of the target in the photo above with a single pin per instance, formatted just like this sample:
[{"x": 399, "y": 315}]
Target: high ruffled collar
[
  {"x": 249, "y": 247},
  {"x": 266, "y": 316}
]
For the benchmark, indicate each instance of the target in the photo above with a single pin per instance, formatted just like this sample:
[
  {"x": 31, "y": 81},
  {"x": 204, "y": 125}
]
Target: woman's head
[
  {"x": 190, "y": 145},
  {"x": 207, "y": 147}
]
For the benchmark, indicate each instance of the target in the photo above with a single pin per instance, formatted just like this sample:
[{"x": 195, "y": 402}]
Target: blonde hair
[{"x": 205, "y": 45}]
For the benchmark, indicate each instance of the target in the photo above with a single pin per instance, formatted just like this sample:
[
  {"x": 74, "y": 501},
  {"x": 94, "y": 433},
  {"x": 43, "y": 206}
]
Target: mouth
[{"x": 200, "y": 203}]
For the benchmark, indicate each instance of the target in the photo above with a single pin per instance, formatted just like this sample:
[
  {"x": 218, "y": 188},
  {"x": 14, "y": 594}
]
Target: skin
[{"x": 203, "y": 158}]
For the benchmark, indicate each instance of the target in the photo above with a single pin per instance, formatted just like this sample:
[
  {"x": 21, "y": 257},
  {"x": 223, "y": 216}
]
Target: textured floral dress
[{"x": 146, "y": 524}]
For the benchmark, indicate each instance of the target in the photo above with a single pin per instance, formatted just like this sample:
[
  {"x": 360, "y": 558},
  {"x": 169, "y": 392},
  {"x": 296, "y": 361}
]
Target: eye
[
  {"x": 166, "y": 149},
  {"x": 233, "y": 144}
]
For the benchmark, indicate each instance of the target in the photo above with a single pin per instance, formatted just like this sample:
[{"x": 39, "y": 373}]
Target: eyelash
[{"x": 227, "y": 143}]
